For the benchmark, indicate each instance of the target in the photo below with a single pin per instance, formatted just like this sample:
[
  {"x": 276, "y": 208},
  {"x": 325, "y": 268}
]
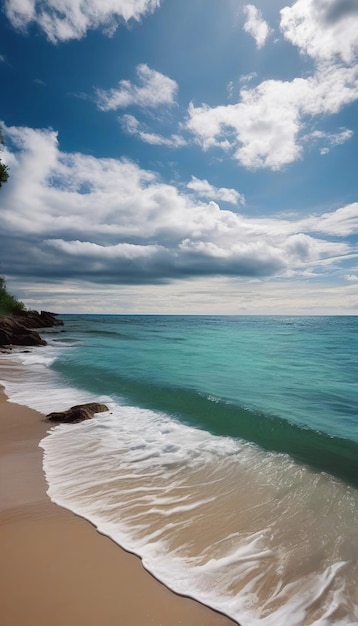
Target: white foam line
[{"x": 69, "y": 476}]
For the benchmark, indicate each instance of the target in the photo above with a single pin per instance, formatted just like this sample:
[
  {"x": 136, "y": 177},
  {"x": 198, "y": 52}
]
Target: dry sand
[{"x": 55, "y": 568}]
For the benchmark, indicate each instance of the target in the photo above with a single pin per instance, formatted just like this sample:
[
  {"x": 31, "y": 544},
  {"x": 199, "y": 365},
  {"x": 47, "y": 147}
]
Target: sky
[{"x": 180, "y": 157}]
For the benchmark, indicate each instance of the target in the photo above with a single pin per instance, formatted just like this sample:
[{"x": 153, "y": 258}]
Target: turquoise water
[
  {"x": 227, "y": 460},
  {"x": 288, "y": 384}
]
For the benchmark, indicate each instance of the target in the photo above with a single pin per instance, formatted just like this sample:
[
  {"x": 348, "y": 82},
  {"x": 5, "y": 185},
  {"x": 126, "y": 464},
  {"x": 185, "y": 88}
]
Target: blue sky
[{"x": 180, "y": 157}]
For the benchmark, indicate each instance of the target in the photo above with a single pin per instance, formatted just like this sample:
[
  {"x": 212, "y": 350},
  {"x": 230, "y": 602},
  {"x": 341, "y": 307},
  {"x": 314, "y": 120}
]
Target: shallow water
[{"x": 228, "y": 458}]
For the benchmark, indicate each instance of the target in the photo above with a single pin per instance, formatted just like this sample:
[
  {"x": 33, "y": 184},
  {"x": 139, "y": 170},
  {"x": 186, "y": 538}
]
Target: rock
[
  {"x": 13, "y": 332},
  {"x": 77, "y": 413},
  {"x": 44, "y": 319},
  {"x": 29, "y": 338},
  {"x": 18, "y": 330},
  {"x": 5, "y": 337}
]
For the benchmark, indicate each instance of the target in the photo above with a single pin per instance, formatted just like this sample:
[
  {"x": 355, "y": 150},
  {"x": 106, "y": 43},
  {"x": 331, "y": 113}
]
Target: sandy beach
[{"x": 55, "y": 567}]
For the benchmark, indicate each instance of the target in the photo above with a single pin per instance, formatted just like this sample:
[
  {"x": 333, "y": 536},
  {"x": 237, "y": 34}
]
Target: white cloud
[
  {"x": 172, "y": 141},
  {"x": 255, "y": 25},
  {"x": 261, "y": 129},
  {"x": 342, "y": 223},
  {"x": 106, "y": 220},
  {"x": 202, "y": 295},
  {"x": 62, "y": 20},
  {"x": 264, "y": 129},
  {"x": 247, "y": 78},
  {"x": 324, "y": 29},
  {"x": 329, "y": 139},
  {"x": 269, "y": 126},
  {"x": 132, "y": 126},
  {"x": 154, "y": 89},
  {"x": 351, "y": 278},
  {"x": 230, "y": 89},
  {"x": 205, "y": 190}
]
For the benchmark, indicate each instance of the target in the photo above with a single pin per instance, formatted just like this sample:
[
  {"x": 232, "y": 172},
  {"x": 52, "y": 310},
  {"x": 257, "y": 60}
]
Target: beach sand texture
[{"x": 55, "y": 568}]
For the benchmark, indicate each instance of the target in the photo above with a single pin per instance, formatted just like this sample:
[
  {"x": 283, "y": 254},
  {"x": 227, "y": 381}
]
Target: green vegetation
[
  {"x": 4, "y": 173},
  {"x": 9, "y": 305},
  {"x": 4, "y": 170}
]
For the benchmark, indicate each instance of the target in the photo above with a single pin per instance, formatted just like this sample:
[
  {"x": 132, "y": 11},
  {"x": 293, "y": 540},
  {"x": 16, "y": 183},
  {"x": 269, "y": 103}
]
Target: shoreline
[{"x": 56, "y": 567}]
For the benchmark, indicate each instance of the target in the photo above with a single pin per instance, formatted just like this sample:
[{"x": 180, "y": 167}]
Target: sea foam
[
  {"x": 212, "y": 517},
  {"x": 253, "y": 534}
]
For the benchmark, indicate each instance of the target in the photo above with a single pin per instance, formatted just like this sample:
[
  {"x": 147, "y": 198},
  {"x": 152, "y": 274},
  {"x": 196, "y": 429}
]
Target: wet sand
[{"x": 55, "y": 568}]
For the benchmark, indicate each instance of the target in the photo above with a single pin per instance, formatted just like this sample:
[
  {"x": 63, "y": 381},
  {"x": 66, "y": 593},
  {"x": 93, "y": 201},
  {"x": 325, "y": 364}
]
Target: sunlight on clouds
[
  {"x": 93, "y": 250},
  {"x": 205, "y": 190},
  {"x": 323, "y": 29},
  {"x": 154, "y": 89},
  {"x": 76, "y": 228},
  {"x": 264, "y": 129},
  {"x": 327, "y": 91},
  {"x": 62, "y": 20},
  {"x": 260, "y": 129},
  {"x": 105, "y": 220},
  {"x": 343, "y": 222},
  {"x": 255, "y": 25}
]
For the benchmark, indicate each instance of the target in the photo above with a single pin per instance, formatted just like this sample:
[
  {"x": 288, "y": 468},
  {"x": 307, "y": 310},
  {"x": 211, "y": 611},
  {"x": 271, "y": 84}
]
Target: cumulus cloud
[
  {"x": 205, "y": 190},
  {"x": 255, "y": 25},
  {"x": 154, "y": 89},
  {"x": 70, "y": 215},
  {"x": 269, "y": 125},
  {"x": 323, "y": 29},
  {"x": 132, "y": 126},
  {"x": 264, "y": 129},
  {"x": 62, "y": 20}
]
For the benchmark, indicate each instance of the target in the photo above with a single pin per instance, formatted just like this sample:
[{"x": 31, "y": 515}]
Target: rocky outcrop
[
  {"x": 33, "y": 319},
  {"x": 18, "y": 330},
  {"x": 78, "y": 413},
  {"x": 14, "y": 333}
]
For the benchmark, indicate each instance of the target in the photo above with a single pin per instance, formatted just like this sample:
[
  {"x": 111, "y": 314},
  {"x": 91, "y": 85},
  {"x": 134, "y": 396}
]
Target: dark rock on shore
[
  {"x": 13, "y": 332},
  {"x": 44, "y": 319},
  {"x": 77, "y": 413},
  {"x": 18, "y": 330}
]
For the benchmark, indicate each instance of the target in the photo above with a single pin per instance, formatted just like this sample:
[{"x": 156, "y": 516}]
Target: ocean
[{"x": 228, "y": 459}]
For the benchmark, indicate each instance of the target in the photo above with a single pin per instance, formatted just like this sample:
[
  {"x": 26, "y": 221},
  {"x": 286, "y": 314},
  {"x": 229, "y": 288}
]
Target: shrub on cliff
[
  {"x": 4, "y": 173},
  {"x": 9, "y": 305},
  {"x": 4, "y": 170}
]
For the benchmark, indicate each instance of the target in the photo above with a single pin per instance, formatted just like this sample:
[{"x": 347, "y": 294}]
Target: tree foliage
[
  {"x": 4, "y": 173},
  {"x": 4, "y": 170},
  {"x": 9, "y": 305}
]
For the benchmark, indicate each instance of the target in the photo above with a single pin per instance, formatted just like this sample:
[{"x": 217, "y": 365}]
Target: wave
[
  {"x": 321, "y": 451},
  {"x": 250, "y": 533}
]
